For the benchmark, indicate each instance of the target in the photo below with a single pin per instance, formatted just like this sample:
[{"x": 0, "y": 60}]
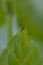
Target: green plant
[{"x": 20, "y": 51}]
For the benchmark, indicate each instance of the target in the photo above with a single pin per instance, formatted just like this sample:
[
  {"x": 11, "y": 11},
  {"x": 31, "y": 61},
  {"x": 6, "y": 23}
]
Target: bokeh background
[{"x": 17, "y": 13}]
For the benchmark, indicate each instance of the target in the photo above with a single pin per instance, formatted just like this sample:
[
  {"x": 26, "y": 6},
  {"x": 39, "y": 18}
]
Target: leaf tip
[{"x": 22, "y": 28}]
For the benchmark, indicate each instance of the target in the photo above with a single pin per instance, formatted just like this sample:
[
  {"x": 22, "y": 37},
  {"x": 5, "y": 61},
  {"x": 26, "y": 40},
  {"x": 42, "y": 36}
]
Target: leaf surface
[{"x": 20, "y": 51}]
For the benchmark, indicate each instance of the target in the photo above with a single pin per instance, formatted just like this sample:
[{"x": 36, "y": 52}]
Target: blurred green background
[{"x": 18, "y": 13}]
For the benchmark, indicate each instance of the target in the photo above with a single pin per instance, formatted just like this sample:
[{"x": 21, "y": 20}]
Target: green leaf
[{"x": 20, "y": 51}]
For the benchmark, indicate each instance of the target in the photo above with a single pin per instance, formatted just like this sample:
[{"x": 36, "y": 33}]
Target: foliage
[{"x": 20, "y": 51}]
